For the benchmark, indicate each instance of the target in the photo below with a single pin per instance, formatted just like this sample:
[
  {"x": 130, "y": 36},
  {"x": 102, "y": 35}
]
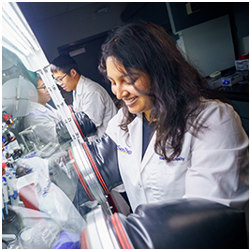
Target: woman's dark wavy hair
[{"x": 176, "y": 86}]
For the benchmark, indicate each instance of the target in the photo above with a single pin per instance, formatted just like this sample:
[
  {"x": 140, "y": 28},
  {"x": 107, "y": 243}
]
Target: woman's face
[{"x": 126, "y": 89}]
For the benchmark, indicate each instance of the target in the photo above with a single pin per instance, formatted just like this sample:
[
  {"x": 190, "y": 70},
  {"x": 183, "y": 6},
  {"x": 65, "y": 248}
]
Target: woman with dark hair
[{"x": 174, "y": 138}]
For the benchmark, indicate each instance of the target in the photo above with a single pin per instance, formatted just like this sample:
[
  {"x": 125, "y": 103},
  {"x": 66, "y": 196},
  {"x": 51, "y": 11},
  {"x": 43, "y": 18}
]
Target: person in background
[
  {"x": 88, "y": 96},
  {"x": 174, "y": 138},
  {"x": 43, "y": 115}
]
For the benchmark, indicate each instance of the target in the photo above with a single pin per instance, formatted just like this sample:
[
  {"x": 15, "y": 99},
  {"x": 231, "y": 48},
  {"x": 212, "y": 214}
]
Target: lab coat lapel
[
  {"x": 149, "y": 152},
  {"x": 77, "y": 95},
  {"x": 135, "y": 131}
]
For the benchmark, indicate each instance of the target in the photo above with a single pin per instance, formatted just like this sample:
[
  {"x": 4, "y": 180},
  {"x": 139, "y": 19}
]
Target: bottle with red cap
[
  {"x": 7, "y": 119},
  {"x": 4, "y": 167}
]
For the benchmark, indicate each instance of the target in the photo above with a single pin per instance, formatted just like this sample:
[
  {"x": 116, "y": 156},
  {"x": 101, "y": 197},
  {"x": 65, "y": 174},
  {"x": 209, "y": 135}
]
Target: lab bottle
[
  {"x": 8, "y": 119},
  {"x": 14, "y": 147}
]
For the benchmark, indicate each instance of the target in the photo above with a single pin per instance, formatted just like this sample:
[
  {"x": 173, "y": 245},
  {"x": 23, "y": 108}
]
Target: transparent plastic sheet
[
  {"x": 38, "y": 230},
  {"x": 44, "y": 199},
  {"x": 63, "y": 171},
  {"x": 60, "y": 169}
]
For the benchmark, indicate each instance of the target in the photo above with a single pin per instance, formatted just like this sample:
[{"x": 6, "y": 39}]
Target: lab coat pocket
[
  {"x": 170, "y": 167},
  {"x": 168, "y": 179},
  {"x": 174, "y": 171}
]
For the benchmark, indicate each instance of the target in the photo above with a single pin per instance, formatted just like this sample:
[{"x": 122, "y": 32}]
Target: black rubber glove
[
  {"x": 83, "y": 122},
  {"x": 102, "y": 155},
  {"x": 182, "y": 224}
]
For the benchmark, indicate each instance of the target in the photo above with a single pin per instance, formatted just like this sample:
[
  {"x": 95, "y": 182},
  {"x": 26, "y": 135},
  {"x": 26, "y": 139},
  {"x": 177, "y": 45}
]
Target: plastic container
[{"x": 214, "y": 80}]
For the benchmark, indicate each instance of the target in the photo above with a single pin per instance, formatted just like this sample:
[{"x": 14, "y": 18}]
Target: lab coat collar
[
  {"x": 49, "y": 107},
  {"x": 37, "y": 106},
  {"x": 135, "y": 129},
  {"x": 79, "y": 87}
]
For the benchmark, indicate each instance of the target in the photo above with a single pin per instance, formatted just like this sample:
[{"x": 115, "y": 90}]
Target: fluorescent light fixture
[
  {"x": 15, "y": 18},
  {"x": 11, "y": 36},
  {"x": 18, "y": 37},
  {"x": 77, "y": 52}
]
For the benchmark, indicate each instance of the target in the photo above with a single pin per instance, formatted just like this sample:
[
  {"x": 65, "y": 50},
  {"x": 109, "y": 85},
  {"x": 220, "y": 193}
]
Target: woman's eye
[{"x": 129, "y": 83}]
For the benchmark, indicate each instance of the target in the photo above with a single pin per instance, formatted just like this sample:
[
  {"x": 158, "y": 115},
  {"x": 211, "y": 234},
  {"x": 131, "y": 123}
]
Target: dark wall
[
  {"x": 150, "y": 11},
  {"x": 241, "y": 18},
  {"x": 185, "y": 15}
]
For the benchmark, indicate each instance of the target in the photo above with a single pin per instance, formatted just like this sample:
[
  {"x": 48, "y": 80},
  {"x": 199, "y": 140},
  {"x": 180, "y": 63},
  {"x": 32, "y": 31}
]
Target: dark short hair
[
  {"x": 37, "y": 78},
  {"x": 64, "y": 63}
]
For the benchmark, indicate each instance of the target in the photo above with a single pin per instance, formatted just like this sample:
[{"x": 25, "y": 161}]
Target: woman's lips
[
  {"x": 131, "y": 101},
  {"x": 64, "y": 87}
]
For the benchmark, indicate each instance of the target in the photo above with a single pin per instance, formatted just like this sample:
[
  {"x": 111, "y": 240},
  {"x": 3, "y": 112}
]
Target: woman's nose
[{"x": 121, "y": 93}]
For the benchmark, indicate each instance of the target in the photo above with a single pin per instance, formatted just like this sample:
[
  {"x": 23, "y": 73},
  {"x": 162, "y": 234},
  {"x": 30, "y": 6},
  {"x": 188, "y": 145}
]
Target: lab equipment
[
  {"x": 11, "y": 146},
  {"x": 36, "y": 230},
  {"x": 177, "y": 224},
  {"x": 31, "y": 54},
  {"x": 65, "y": 190},
  {"x": 5, "y": 195},
  {"x": 27, "y": 48},
  {"x": 86, "y": 127},
  {"x": 18, "y": 93},
  {"x": 7, "y": 119}
]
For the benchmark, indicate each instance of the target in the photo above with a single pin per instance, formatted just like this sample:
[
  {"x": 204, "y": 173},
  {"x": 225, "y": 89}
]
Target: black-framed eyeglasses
[
  {"x": 60, "y": 79},
  {"x": 42, "y": 87}
]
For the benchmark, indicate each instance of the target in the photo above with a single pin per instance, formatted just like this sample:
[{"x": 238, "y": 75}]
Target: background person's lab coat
[
  {"x": 45, "y": 118},
  {"x": 93, "y": 99}
]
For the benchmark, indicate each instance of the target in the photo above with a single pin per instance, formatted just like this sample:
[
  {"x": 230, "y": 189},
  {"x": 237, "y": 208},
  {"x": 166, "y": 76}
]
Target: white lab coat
[
  {"x": 212, "y": 166},
  {"x": 45, "y": 118},
  {"x": 93, "y": 99}
]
